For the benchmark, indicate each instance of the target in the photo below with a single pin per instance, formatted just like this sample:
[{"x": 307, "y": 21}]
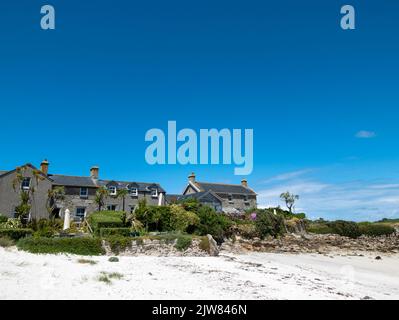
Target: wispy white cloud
[
  {"x": 364, "y": 134},
  {"x": 353, "y": 200},
  {"x": 288, "y": 175}
]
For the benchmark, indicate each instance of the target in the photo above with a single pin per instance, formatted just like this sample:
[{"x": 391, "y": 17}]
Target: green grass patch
[
  {"x": 82, "y": 246},
  {"x": 106, "y": 219}
]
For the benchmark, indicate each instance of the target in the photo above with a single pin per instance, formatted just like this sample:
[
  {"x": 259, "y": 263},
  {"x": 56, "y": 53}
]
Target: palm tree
[
  {"x": 121, "y": 194},
  {"x": 101, "y": 194}
]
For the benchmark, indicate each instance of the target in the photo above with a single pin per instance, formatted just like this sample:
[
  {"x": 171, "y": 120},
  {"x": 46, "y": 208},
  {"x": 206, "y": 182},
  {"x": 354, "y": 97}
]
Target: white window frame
[
  {"x": 86, "y": 195},
  {"x": 230, "y": 198},
  {"x": 114, "y": 192},
  {"x": 154, "y": 195},
  {"x": 135, "y": 193},
  {"x": 23, "y": 181},
  {"x": 79, "y": 216}
]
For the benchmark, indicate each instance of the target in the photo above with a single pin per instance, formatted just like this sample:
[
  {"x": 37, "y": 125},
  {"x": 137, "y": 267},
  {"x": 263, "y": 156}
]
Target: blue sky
[{"x": 323, "y": 102}]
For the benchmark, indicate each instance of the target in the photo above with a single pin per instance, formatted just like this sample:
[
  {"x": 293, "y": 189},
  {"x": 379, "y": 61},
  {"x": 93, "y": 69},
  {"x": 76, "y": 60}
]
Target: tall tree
[
  {"x": 289, "y": 200},
  {"x": 121, "y": 194}
]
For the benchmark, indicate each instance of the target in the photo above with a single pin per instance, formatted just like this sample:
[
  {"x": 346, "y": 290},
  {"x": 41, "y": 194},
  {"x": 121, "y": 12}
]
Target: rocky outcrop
[
  {"x": 311, "y": 243},
  {"x": 160, "y": 248},
  {"x": 213, "y": 246}
]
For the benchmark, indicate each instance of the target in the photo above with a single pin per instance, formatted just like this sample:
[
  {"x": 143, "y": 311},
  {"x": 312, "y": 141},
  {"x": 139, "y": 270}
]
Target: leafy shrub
[
  {"x": 12, "y": 223},
  {"x": 183, "y": 242},
  {"x": 182, "y": 220},
  {"x": 286, "y": 214},
  {"x": 15, "y": 234},
  {"x": 106, "y": 219},
  {"x": 81, "y": 246},
  {"x": 6, "y": 242},
  {"x": 269, "y": 224},
  {"x": 118, "y": 243},
  {"x": 245, "y": 230},
  {"x": 376, "y": 229},
  {"x": 3, "y": 219},
  {"x": 213, "y": 223},
  {"x": 123, "y": 232},
  {"x": 154, "y": 218},
  {"x": 190, "y": 204},
  {"x": 45, "y": 227},
  {"x": 345, "y": 228}
]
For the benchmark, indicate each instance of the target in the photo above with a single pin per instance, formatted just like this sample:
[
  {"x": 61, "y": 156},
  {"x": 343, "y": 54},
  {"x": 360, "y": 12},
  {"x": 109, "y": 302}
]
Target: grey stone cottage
[
  {"x": 80, "y": 192},
  {"x": 226, "y": 198}
]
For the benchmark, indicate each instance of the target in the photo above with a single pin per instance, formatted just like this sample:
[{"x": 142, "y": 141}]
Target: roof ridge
[{"x": 223, "y": 184}]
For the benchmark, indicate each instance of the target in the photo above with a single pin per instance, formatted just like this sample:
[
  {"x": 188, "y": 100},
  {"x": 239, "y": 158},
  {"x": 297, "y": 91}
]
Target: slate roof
[
  {"x": 204, "y": 196},
  {"x": 142, "y": 186},
  {"x": 224, "y": 188},
  {"x": 76, "y": 181},
  {"x": 72, "y": 181}
]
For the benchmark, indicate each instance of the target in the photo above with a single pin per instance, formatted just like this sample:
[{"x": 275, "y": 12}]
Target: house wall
[
  {"x": 238, "y": 201},
  {"x": 73, "y": 201},
  {"x": 10, "y": 198}
]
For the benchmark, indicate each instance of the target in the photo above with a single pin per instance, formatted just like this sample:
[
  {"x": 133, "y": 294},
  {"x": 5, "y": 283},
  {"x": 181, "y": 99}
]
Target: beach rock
[{"x": 213, "y": 247}]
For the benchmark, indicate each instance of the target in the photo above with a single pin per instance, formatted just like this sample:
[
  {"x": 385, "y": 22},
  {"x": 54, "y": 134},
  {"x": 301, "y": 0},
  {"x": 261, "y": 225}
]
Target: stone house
[
  {"x": 227, "y": 198},
  {"x": 80, "y": 192}
]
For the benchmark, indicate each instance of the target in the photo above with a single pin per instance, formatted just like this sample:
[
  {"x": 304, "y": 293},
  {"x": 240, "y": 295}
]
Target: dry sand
[{"x": 249, "y": 276}]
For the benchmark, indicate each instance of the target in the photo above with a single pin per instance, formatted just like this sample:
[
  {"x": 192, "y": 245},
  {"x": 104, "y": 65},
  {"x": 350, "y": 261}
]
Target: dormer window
[
  {"x": 25, "y": 184},
  {"x": 154, "y": 193},
  {"x": 112, "y": 190},
  {"x": 133, "y": 192}
]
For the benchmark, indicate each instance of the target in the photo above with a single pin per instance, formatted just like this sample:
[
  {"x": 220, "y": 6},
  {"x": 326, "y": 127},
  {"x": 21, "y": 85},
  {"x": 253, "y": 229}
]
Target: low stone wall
[
  {"x": 162, "y": 248},
  {"x": 312, "y": 243}
]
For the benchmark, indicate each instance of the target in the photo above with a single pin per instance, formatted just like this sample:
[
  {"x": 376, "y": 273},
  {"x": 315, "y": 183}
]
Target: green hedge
[
  {"x": 109, "y": 232},
  {"x": 81, "y": 246},
  {"x": 3, "y": 219},
  {"x": 106, "y": 219},
  {"x": 376, "y": 229},
  {"x": 15, "y": 234}
]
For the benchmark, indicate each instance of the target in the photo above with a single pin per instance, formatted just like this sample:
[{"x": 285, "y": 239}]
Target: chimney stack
[
  {"x": 94, "y": 172},
  {"x": 244, "y": 182},
  {"x": 44, "y": 166},
  {"x": 191, "y": 177}
]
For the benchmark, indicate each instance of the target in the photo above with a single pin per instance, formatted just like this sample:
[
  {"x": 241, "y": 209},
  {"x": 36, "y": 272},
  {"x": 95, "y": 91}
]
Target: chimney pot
[
  {"x": 44, "y": 166},
  {"x": 244, "y": 182},
  {"x": 94, "y": 172},
  {"x": 191, "y": 177}
]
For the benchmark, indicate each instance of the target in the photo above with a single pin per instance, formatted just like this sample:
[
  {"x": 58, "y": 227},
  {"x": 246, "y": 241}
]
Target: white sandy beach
[{"x": 250, "y": 276}]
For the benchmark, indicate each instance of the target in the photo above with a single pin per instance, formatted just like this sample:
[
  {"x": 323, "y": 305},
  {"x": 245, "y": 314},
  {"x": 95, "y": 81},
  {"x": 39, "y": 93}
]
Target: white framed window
[
  {"x": 134, "y": 192},
  {"x": 230, "y": 198},
  {"x": 111, "y": 207},
  {"x": 84, "y": 192},
  {"x": 154, "y": 193},
  {"x": 80, "y": 213},
  {"x": 25, "y": 184},
  {"x": 112, "y": 190}
]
